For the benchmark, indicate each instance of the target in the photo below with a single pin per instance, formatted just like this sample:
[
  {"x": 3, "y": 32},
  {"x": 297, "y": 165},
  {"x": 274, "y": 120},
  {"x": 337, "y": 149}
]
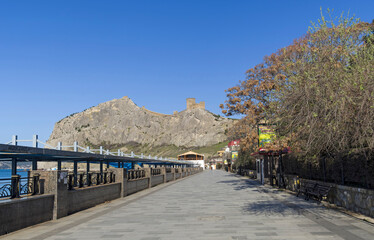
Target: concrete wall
[
  {"x": 20, "y": 213},
  {"x": 156, "y": 180},
  {"x": 83, "y": 198},
  {"x": 169, "y": 177},
  {"x": 352, "y": 198},
  {"x": 134, "y": 186}
]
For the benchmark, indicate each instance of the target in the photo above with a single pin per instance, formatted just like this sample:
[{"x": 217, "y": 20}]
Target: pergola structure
[
  {"x": 16, "y": 154},
  {"x": 30, "y": 154}
]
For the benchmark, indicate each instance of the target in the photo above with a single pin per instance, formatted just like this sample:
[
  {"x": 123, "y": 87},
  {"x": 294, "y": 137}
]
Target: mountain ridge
[{"x": 120, "y": 122}]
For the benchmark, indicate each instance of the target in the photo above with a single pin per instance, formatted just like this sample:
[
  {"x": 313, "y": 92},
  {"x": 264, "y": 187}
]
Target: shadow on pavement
[
  {"x": 240, "y": 184},
  {"x": 276, "y": 208},
  {"x": 269, "y": 208}
]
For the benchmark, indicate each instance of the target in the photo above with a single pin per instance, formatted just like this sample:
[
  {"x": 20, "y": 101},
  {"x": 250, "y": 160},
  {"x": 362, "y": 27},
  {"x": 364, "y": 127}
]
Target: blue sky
[{"x": 61, "y": 57}]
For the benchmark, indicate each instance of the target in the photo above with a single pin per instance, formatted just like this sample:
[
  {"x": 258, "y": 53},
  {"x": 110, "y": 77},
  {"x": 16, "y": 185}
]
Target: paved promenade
[{"x": 209, "y": 205}]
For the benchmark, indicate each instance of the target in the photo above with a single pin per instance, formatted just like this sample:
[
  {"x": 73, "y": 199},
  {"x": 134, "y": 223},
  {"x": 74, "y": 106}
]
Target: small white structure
[
  {"x": 198, "y": 163},
  {"x": 196, "y": 158}
]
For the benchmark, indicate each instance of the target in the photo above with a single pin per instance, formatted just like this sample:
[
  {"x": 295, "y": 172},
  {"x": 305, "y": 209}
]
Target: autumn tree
[{"x": 318, "y": 91}]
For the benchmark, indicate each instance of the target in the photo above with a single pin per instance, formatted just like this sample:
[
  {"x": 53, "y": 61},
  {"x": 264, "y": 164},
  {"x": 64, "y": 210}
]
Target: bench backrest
[
  {"x": 311, "y": 185},
  {"x": 323, "y": 189}
]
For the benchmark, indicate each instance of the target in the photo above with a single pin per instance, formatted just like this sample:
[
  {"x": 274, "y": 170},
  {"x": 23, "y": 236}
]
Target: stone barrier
[
  {"x": 358, "y": 200},
  {"x": 84, "y": 198},
  {"x": 156, "y": 180},
  {"x": 169, "y": 177},
  {"x": 20, "y": 213}
]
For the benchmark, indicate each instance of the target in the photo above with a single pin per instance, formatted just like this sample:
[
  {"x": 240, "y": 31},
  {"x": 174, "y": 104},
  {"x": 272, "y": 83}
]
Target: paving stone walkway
[{"x": 209, "y": 205}]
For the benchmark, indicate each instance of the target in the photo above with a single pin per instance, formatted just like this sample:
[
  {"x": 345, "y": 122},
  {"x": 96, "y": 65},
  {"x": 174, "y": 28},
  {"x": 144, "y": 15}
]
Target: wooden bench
[
  {"x": 305, "y": 189},
  {"x": 320, "y": 191},
  {"x": 314, "y": 190}
]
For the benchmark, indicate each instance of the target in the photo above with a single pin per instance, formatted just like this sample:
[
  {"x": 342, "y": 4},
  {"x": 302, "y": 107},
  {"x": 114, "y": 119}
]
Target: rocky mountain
[{"x": 121, "y": 123}]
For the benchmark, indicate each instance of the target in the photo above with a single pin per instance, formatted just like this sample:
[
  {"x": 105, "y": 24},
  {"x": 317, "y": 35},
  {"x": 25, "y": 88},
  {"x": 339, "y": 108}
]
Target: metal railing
[
  {"x": 135, "y": 174},
  {"x": 90, "y": 179},
  {"x": 155, "y": 171},
  {"x": 18, "y": 186},
  {"x": 168, "y": 170}
]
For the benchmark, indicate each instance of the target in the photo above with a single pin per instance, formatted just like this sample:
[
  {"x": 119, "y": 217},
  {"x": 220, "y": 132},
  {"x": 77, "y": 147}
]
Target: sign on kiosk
[
  {"x": 265, "y": 134},
  {"x": 234, "y": 155}
]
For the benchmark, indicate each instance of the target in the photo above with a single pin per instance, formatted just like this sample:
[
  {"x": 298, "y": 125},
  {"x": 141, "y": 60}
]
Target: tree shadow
[
  {"x": 269, "y": 208},
  {"x": 241, "y": 184},
  {"x": 275, "y": 208}
]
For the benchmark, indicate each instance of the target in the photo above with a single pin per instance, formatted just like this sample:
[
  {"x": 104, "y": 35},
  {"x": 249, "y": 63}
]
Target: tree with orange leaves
[{"x": 319, "y": 92}]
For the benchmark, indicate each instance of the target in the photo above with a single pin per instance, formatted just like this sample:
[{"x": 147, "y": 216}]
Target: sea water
[{"x": 7, "y": 174}]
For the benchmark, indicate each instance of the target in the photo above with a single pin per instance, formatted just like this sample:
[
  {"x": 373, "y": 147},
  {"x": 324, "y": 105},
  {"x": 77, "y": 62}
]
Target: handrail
[
  {"x": 135, "y": 174},
  {"x": 16, "y": 186}
]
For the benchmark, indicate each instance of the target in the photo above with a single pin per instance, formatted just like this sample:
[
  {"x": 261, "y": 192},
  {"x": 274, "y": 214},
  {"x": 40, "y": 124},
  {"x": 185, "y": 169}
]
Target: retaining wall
[
  {"x": 156, "y": 180},
  {"x": 83, "y": 198},
  {"x": 137, "y": 185},
  {"x": 20, "y": 213},
  {"x": 352, "y": 198},
  {"x": 169, "y": 177}
]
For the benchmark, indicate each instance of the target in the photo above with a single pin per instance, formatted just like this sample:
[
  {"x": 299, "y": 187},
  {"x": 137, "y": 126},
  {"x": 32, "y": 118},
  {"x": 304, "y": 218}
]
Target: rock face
[{"x": 120, "y": 122}]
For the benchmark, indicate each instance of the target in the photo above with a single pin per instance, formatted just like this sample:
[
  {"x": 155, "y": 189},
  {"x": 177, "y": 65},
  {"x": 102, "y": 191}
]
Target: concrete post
[
  {"x": 163, "y": 172},
  {"x": 55, "y": 182},
  {"x": 75, "y": 146},
  {"x": 61, "y": 194},
  {"x": 173, "y": 172},
  {"x": 35, "y": 141},
  {"x": 149, "y": 176},
  {"x": 124, "y": 183},
  {"x": 14, "y": 140},
  {"x": 59, "y": 146}
]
